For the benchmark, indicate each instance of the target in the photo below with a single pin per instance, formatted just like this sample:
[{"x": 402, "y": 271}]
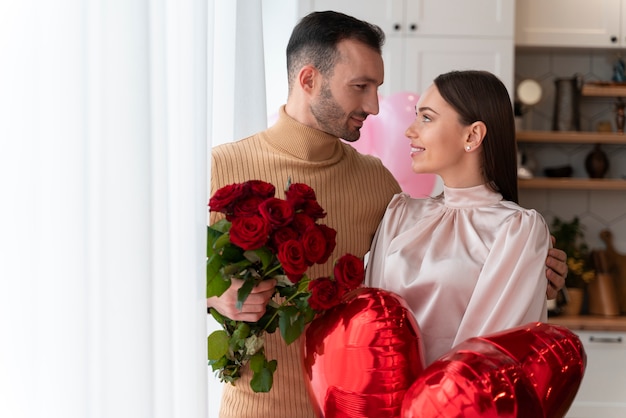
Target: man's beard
[{"x": 331, "y": 118}]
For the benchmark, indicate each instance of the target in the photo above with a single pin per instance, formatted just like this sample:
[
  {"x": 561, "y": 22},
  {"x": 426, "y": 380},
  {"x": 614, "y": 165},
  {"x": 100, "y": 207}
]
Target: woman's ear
[{"x": 476, "y": 133}]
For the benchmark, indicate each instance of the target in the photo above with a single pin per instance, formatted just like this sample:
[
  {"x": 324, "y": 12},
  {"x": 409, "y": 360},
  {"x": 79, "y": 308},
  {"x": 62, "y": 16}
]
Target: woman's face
[{"x": 438, "y": 139}]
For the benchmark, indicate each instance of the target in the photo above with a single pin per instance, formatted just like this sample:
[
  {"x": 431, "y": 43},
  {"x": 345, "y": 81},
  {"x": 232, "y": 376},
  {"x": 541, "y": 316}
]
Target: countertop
[{"x": 590, "y": 322}]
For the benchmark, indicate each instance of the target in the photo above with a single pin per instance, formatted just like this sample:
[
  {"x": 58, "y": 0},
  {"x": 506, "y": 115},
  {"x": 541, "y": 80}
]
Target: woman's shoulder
[
  {"x": 403, "y": 206},
  {"x": 522, "y": 218}
]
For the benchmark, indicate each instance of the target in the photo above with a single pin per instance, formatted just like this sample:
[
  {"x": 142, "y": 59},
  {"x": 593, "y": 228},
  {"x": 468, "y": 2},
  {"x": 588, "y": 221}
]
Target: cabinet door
[
  {"x": 492, "y": 18},
  {"x": 574, "y": 23},
  {"x": 388, "y": 14},
  {"x": 428, "y": 17},
  {"x": 602, "y": 392},
  {"x": 426, "y": 58}
]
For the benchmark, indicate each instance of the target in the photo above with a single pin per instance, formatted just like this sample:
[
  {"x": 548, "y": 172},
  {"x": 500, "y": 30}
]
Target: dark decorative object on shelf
[
  {"x": 596, "y": 163},
  {"x": 566, "y": 115},
  {"x": 563, "y": 171}
]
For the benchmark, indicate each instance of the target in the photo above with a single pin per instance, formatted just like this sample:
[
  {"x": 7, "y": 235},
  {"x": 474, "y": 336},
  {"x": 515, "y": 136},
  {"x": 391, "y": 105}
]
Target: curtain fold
[{"x": 103, "y": 174}]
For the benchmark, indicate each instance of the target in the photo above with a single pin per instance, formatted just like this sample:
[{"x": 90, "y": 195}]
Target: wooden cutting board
[{"x": 617, "y": 267}]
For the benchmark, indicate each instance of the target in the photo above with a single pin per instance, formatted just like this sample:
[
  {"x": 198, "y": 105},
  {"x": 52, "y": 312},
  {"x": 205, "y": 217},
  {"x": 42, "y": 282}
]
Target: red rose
[
  {"x": 314, "y": 242},
  {"x": 324, "y": 294},
  {"x": 331, "y": 242},
  {"x": 302, "y": 222},
  {"x": 299, "y": 193},
  {"x": 224, "y": 199},
  {"x": 291, "y": 257},
  {"x": 281, "y": 235},
  {"x": 261, "y": 189},
  {"x": 246, "y": 207},
  {"x": 250, "y": 232},
  {"x": 303, "y": 199},
  {"x": 276, "y": 211},
  {"x": 313, "y": 209},
  {"x": 349, "y": 271}
]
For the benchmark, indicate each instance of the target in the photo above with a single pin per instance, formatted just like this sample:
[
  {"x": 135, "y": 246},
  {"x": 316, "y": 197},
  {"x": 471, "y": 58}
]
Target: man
[{"x": 335, "y": 67}]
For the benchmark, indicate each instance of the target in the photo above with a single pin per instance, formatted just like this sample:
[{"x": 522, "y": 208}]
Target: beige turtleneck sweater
[{"x": 354, "y": 189}]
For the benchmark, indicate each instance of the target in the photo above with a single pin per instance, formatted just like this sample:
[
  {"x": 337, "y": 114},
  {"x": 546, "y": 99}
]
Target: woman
[{"x": 470, "y": 261}]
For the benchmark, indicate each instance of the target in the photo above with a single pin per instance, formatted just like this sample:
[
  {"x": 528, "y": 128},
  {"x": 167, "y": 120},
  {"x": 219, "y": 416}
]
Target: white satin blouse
[{"x": 467, "y": 262}]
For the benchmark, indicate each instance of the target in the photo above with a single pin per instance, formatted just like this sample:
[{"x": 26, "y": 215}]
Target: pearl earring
[{"x": 467, "y": 148}]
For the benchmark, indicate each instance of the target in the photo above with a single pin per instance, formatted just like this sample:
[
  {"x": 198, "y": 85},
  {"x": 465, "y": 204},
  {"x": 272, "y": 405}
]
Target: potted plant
[{"x": 570, "y": 238}]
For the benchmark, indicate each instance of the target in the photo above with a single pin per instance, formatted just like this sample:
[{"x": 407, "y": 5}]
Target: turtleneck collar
[
  {"x": 470, "y": 197},
  {"x": 301, "y": 141}
]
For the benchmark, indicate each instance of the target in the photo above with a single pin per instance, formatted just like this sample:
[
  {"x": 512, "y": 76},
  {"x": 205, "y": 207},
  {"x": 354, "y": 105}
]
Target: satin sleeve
[
  {"x": 511, "y": 288},
  {"x": 382, "y": 239}
]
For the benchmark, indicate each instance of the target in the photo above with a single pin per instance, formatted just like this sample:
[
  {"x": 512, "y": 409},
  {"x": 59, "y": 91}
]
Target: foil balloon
[
  {"x": 361, "y": 356},
  {"x": 383, "y": 136},
  {"x": 530, "y": 371},
  {"x": 552, "y": 358}
]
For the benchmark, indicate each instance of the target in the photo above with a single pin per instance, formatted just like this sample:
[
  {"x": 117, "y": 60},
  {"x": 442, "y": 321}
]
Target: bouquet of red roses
[{"x": 263, "y": 237}]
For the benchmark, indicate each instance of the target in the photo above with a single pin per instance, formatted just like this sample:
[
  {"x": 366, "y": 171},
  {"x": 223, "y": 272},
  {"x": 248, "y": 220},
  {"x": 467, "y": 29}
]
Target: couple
[{"x": 468, "y": 262}]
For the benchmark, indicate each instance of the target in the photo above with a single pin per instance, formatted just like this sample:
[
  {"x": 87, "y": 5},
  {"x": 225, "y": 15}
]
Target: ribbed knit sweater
[{"x": 354, "y": 189}]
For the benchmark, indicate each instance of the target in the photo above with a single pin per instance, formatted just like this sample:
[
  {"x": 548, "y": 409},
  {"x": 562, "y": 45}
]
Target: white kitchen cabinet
[
  {"x": 602, "y": 392},
  {"x": 571, "y": 23},
  {"x": 429, "y": 37},
  {"x": 425, "y": 58}
]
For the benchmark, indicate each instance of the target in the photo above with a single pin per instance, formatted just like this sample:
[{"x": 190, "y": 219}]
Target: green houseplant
[{"x": 570, "y": 238}]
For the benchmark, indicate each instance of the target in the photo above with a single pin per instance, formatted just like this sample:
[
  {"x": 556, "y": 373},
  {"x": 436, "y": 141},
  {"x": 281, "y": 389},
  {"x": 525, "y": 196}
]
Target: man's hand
[
  {"x": 254, "y": 306},
  {"x": 556, "y": 271}
]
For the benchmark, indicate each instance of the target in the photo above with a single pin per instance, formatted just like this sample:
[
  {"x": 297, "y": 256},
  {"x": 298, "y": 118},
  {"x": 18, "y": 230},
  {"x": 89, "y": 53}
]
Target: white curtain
[
  {"x": 103, "y": 107},
  {"x": 238, "y": 74},
  {"x": 237, "y": 103}
]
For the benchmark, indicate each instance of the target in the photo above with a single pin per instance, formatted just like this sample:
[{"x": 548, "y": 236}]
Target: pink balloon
[
  {"x": 530, "y": 371},
  {"x": 383, "y": 136},
  {"x": 361, "y": 356}
]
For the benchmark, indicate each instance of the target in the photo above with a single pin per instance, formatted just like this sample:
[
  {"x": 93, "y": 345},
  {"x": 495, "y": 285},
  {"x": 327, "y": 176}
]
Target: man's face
[{"x": 350, "y": 94}]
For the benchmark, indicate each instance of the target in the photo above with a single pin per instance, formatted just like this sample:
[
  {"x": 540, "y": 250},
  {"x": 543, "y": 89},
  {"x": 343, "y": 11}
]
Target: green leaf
[
  {"x": 217, "y": 345},
  {"x": 264, "y": 255},
  {"x": 257, "y": 361},
  {"x": 242, "y": 331},
  {"x": 222, "y": 226},
  {"x": 244, "y": 292},
  {"x": 232, "y": 268},
  {"x": 262, "y": 381},
  {"x": 221, "y": 241},
  {"x": 216, "y": 285},
  {"x": 264, "y": 322},
  {"x": 212, "y": 236},
  {"x": 263, "y": 373},
  {"x": 217, "y": 316},
  {"x": 232, "y": 254},
  {"x": 291, "y": 324},
  {"x": 271, "y": 365},
  {"x": 218, "y": 364}
]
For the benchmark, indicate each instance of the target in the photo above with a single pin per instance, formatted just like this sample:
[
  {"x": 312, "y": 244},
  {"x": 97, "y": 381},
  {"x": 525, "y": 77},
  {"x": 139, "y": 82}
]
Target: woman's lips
[{"x": 416, "y": 150}]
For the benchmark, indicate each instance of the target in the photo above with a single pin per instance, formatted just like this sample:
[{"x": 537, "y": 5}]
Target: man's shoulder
[{"x": 235, "y": 150}]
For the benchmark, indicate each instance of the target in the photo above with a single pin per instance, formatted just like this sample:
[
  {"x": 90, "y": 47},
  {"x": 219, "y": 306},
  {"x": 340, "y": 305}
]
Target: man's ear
[{"x": 307, "y": 78}]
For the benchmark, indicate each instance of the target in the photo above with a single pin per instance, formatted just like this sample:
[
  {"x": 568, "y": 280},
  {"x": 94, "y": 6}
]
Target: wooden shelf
[
  {"x": 589, "y": 322},
  {"x": 567, "y": 183},
  {"x": 604, "y": 89},
  {"x": 571, "y": 137}
]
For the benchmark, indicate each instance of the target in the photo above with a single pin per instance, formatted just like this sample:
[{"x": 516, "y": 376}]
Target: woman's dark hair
[
  {"x": 481, "y": 96},
  {"x": 314, "y": 40}
]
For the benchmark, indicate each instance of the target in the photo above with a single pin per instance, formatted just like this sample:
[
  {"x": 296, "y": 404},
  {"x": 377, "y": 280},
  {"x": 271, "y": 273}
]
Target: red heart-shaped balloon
[
  {"x": 530, "y": 371},
  {"x": 361, "y": 356}
]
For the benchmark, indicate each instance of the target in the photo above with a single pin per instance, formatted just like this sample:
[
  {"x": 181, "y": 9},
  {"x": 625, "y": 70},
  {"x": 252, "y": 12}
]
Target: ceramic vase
[{"x": 596, "y": 163}]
